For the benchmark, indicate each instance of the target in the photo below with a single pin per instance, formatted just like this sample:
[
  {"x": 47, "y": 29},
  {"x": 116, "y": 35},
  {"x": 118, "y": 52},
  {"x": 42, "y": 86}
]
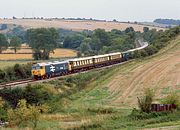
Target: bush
[
  {"x": 2, "y": 75},
  {"x": 3, "y": 113},
  {"x": 172, "y": 98},
  {"x": 139, "y": 115},
  {"x": 145, "y": 101},
  {"x": 24, "y": 114},
  {"x": 16, "y": 72},
  {"x": 36, "y": 94}
]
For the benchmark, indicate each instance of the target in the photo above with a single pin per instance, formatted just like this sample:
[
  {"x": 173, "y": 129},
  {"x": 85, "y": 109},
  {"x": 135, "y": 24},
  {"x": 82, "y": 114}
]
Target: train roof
[
  {"x": 79, "y": 59},
  {"x": 50, "y": 63},
  {"x": 110, "y": 54},
  {"x": 75, "y": 59}
]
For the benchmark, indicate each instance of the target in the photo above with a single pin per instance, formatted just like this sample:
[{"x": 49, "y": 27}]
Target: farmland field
[
  {"x": 58, "y": 53},
  {"x": 76, "y": 25},
  {"x": 11, "y": 59}
]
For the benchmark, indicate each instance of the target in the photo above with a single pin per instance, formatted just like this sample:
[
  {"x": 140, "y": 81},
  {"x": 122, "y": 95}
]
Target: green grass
[
  {"x": 4, "y": 64},
  {"x": 86, "y": 97}
]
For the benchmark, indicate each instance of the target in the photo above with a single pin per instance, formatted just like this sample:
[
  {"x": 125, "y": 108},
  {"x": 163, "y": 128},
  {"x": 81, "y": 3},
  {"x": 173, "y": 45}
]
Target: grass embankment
[
  {"x": 94, "y": 100},
  {"x": 93, "y": 107}
]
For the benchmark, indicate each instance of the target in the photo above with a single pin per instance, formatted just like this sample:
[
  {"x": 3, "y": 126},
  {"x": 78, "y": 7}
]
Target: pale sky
[{"x": 122, "y": 10}]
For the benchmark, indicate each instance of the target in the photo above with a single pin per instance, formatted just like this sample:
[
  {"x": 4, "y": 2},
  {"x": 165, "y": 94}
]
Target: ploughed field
[{"x": 76, "y": 25}]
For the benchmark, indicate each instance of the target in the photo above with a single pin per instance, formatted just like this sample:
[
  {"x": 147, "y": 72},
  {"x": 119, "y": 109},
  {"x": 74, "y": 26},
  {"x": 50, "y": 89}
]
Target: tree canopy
[
  {"x": 3, "y": 43},
  {"x": 15, "y": 43},
  {"x": 43, "y": 41}
]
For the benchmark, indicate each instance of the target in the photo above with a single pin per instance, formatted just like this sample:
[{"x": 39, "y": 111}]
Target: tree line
[
  {"x": 100, "y": 41},
  {"x": 44, "y": 41},
  {"x": 157, "y": 40},
  {"x": 15, "y": 43},
  {"x": 167, "y": 21}
]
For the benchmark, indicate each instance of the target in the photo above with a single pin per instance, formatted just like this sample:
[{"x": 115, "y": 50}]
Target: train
[{"x": 60, "y": 68}]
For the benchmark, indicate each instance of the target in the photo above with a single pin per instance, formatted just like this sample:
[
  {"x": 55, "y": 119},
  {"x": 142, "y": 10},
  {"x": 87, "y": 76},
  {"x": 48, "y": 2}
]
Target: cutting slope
[
  {"x": 161, "y": 73},
  {"x": 74, "y": 24}
]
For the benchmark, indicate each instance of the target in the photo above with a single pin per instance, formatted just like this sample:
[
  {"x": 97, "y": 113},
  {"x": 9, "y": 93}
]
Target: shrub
[
  {"x": 139, "y": 115},
  {"x": 15, "y": 72},
  {"x": 2, "y": 75},
  {"x": 3, "y": 113},
  {"x": 172, "y": 98},
  {"x": 24, "y": 114},
  {"x": 145, "y": 101},
  {"x": 37, "y": 94}
]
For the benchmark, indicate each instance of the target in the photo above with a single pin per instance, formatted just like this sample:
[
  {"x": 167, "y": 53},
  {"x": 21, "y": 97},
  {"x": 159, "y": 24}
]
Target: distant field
[
  {"x": 58, "y": 53},
  {"x": 76, "y": 25}
]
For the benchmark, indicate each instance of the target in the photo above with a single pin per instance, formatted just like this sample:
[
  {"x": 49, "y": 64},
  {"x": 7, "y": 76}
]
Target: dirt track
[
  {"x": 74, "y": 24},
  {"x": 161, "y": 73}
]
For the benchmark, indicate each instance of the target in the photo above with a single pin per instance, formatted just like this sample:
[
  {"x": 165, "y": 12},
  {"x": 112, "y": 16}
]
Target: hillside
[
  {"x": 104, "y": 98},
  {"x": 74, "y": 24},
  {"x": 160, "y": 72}
]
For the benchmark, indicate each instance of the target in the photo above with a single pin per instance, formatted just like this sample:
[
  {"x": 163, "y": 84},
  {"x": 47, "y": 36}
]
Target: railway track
[{"x": 25, "y": 82}]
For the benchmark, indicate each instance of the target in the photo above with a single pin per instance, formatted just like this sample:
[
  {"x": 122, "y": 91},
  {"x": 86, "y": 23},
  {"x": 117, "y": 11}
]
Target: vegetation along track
[
  {"x": 26, "y": 81},
  {"x": 22, "y": 83}
]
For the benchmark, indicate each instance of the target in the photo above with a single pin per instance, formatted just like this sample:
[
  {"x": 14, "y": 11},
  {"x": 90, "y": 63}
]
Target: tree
[
  {"x": 3, "y": 43},
  {"x": 146, "y": 100},
  {"x": 73, "y": 42},
  {"x": 85, "y": 46},
  {"x": 43, "y": 41},
  {"x": 103, "y": 37},
  {"x": 145, "y": 29},
  {"x": 15, "y": 43},
  {"x": 24, "y": 114},
  {"x": 130, "y": 29}
]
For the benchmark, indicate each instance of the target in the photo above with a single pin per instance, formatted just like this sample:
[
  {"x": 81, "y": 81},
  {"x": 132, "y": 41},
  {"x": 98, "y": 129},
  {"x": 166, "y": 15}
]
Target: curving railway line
[{"x": 22, "y": 83}]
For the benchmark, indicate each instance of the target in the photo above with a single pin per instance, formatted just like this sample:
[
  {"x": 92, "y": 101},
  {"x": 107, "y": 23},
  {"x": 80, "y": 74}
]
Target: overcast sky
[{"x": 122, "y": 10}]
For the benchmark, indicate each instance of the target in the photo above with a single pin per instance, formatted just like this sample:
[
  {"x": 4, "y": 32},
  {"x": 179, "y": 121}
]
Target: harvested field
[
  {"x": 74, "y": 24},
  {"x": 162, "y": 73},
  {"x": 58, "y": 53}
]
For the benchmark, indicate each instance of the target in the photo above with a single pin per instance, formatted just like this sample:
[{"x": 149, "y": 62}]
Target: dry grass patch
[
  {"x": 76, "y": 25},
  {"x": 58, "y": 53}
]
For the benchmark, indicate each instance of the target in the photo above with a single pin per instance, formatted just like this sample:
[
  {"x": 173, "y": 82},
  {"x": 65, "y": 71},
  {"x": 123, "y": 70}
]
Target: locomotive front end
[{"x": 37, "y": 71}]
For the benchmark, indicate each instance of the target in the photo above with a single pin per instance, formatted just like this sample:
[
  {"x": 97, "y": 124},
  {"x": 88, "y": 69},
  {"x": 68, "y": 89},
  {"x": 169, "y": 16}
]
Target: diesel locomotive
[{"x": 59, "y": 68}]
